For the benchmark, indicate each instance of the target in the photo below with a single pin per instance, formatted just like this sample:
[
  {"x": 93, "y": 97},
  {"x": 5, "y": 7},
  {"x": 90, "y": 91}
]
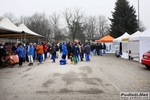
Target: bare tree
[
  {"x": 91, "y": 27},
  {"x": 141, "y": 26},
  {"x": 54, "y": 21},
  {"x": 40, "y": 24},
  {"x": 75, "y": 22},
  {"x": 103, "y": 27},
  {"x": 23, "y": 19},
  {"x": 11, "y": 17}
]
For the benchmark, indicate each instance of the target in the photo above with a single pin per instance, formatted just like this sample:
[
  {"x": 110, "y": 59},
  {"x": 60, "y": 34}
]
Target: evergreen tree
[{"x": 124, "y": 19}]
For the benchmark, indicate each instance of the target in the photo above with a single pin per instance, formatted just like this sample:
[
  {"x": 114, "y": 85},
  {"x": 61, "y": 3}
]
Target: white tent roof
[
  {"x": 143, "y": 35},
  {"x": 7, "y": 24},
  {"x": 119, "y": 39},
  {"x": 134, "y": 35},
  {"x": 26, "y": 30}
]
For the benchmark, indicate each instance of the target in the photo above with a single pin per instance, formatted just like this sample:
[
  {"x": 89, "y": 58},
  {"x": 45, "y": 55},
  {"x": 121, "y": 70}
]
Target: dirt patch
[
  {"x": 24, "y": 76},
  {"x": 83, "y": 74},
  {"x": 92, "y": 81},
  {"x": 27, "y": 69},
  {"x": 47, "y": 83},
  {"x": 56, "y": 74},
  {"x": 8, "y": 72},
  {"x": 42, "y": 92},
  {"x": 88, "y": 91},
  {"x": 86, "y": 68},
  {"x": 15, "y": 96},
  {"x": 70, "y": 77},
  {"x": 30, "y": 79}
]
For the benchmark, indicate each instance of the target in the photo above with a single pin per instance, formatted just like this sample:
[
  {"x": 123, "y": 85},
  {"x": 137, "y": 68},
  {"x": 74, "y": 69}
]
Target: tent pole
[{"x": 21, "y": 37}]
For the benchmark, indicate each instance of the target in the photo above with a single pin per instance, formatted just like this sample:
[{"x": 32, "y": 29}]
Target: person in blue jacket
[
  {"x": 21, "y": 53},
  {"x": 64, "y": 50},
  {"x": 30, "y": 54}
]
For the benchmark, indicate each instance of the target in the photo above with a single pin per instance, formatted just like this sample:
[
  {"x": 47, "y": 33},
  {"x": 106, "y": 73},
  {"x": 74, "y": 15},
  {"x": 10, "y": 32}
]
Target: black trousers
[
  {"x": 68, "y": 55},
  {"x": 0, "y": 61},
  {"x": 20, "y": 61},
  {"x": 63, "y": 56}
]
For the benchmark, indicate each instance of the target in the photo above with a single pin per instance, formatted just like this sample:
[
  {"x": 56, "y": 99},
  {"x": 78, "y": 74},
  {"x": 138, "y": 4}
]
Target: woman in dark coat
[{"x": 69, "y": 48}]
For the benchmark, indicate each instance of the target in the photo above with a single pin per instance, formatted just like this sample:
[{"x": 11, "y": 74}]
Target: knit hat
[{"x": 75, "y": 42}]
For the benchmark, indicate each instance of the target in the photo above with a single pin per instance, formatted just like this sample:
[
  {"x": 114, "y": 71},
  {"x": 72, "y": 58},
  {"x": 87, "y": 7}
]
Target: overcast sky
[{"x": 91, "y": 7}]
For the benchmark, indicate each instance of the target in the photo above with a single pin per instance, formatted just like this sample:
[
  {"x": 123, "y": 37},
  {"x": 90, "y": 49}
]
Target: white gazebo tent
[
  {"x": 118, "y": 40},
  {"x": 28, "y": 31},
  {"x": 127, "y": 45},
  {"x": 143, "y": 43},
  {"x": 8, "y": 29}
]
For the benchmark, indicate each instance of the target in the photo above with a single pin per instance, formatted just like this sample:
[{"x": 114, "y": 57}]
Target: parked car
[{"x": 146, "y": 59}]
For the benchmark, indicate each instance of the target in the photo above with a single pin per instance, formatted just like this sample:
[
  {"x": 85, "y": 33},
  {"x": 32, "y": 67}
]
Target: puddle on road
[
  {"x": 86, "y": 68},
  {"x": 88, "y": 91},
  {"x": 47, "y": 83},
  {"x": 70, "y": 77}
]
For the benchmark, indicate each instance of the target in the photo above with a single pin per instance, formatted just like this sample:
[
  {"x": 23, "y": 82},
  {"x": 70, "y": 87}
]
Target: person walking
[
  {"x": 87, "y": 50},
  {"x": 97, "y": 48},
  {"x": 21, "y": 54},
  {"x": 69, "y": 48},
  {"x": 57, "y": 50},
  {"x": 75, "y": 51},
  {"x": 40, "y": 52},
  {"x": 82, "y": 52},
  {"x": 64, "y": 50},
  {"x": 53, "y": 51},
  {"x": 35, "y": 52},
  {"x": 45, "y": 50},
  {"x": 2, "y": 53},
  {"x": 30, "y": 54},
  {"x": 100, "y": 49},
  {"x": 104, "y": 48}
]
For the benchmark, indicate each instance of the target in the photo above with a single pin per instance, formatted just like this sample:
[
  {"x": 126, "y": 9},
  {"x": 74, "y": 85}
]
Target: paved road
[{"x": 103, "y": 78}]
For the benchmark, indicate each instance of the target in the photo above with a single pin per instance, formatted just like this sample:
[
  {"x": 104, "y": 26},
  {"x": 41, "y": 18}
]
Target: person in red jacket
[{"x": 45, "y": 50}]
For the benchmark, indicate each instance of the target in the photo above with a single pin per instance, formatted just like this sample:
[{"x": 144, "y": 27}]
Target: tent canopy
[
  {"x": 131, "y": 36},
  {"x": 143, "y": 35},
  {"x": 119, "y": 39},
  {"x": 107, "y": 38},
  {"x": 28, "y": 31},
  {"x": 8, "y": 29}
]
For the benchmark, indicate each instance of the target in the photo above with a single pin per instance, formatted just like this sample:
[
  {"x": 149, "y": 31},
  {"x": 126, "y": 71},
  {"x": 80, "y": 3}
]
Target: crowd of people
[{"x": 41, "y": 51}]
